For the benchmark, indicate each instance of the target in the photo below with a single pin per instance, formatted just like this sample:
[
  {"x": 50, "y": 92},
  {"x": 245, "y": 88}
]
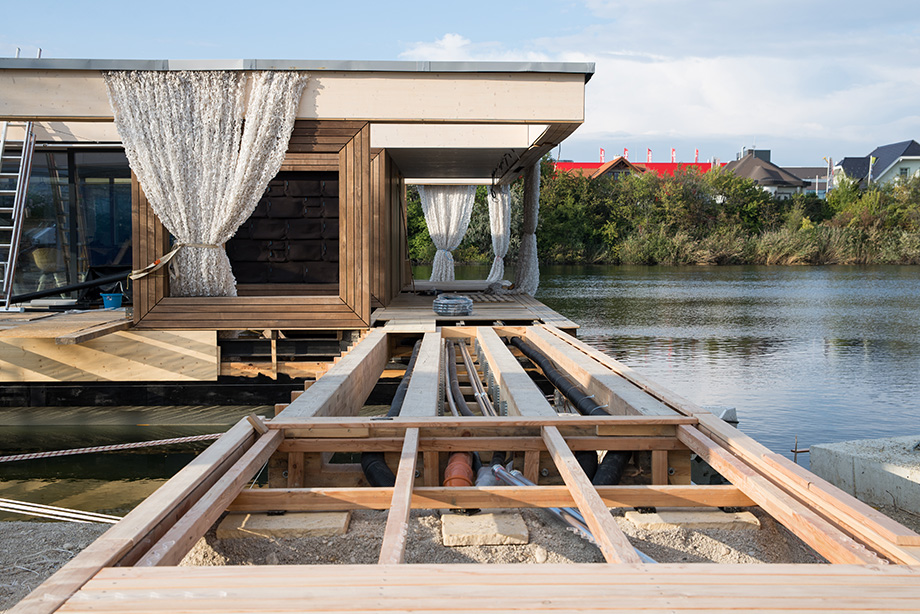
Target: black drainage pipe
[
  {"x": 609, "y": 472},
  {"x": 375, "y": 468}
]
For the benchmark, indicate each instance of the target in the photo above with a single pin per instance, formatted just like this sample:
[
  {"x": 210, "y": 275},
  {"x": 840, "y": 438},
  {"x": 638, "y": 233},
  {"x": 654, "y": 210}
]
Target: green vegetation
[{"x": 693, "y": 218}]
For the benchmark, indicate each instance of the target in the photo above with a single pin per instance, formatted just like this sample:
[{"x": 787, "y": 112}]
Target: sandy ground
[{"x": 34, "y": 550}]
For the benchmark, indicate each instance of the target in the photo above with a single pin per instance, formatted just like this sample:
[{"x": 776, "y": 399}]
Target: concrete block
[
  {"x": 292, "y": 524},
  {"x": 496, "y": 529},
  {"x": 876, "y": 471},
  {"x": 693, "y": 519}
]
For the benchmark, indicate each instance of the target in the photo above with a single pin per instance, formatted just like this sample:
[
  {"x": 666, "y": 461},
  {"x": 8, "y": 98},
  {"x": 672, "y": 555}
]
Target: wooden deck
[
  {"x": 413, "y": 311},
  {"x": 873, "y": 562}
]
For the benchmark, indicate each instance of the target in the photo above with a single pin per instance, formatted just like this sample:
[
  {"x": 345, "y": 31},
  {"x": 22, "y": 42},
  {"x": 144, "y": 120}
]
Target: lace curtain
[
  {"x": 202, "y": 167},
  {"x": 447, "y": 210},
  {"x": 500, "y": 223},
  {"x": 527, "y": 274}
]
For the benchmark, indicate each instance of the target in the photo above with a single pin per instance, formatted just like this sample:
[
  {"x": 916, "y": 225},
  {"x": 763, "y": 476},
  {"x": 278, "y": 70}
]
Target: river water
[{"x": 823, "y": 353}]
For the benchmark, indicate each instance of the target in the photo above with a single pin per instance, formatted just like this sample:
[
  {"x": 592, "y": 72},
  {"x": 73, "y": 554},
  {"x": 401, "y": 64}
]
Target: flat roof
[{"x": 584, "y": 68}]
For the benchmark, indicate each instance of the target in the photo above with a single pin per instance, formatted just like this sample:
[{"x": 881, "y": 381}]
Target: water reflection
[{"x": 825, "y": 353}]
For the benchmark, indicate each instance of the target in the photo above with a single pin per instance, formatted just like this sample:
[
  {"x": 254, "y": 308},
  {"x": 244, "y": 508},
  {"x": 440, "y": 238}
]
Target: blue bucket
[{"x": 111, "y": 301}]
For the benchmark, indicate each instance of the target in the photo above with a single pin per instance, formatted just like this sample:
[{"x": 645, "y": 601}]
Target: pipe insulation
[
  {"x": 373, "y": 464},
  {"x": 453, "y": 382}
]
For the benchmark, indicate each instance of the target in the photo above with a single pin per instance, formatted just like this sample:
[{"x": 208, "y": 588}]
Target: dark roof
[
  {"x": 855, "y": 168},
  {"x": 764, "y": 173},
  {"x": 808, "y": 173},
  {"x": 889, "y": 154}
]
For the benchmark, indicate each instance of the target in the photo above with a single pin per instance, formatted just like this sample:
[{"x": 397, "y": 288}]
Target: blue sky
[{"x": 805, "y": 79}]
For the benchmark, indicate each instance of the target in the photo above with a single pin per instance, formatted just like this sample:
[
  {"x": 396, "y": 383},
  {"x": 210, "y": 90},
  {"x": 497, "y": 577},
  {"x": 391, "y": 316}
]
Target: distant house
[
  {"x": 620, "y": 166},
  {"x": 756, "y": 165},
  {"x": 814, "y": 176},
  {"x": 896, "y": 161}
]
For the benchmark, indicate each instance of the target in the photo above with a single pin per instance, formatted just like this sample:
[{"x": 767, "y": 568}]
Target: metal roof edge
[{"x": 585, "y": 68}]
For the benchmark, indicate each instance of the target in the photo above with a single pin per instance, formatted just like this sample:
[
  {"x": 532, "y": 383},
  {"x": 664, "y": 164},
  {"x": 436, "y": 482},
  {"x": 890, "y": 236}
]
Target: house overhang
[{"x": 460, "y": 122}]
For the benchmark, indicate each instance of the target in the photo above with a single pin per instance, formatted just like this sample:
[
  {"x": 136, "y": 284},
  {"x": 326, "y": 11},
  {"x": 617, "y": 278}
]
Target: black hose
[
  {"x": 611, "y": 468},
  {"x": 373, "y": 464},
  {"x": 609, "y": 472},
  {"x": 583, "y": 403}
]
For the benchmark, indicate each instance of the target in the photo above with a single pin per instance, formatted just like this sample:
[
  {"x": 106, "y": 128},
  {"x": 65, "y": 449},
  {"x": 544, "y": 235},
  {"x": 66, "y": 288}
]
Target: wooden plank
[
  {"x": 176, "y": 543},
  {"x": 133, "y": 529},
  {"x": 473, "y": 423},
  {"x": 422, "y": 394},
  {"x": 345, "y": 386},
  {"x": 432, "y": 469},
  {"x": 93, "y": 332},
  {"x": 825, "y": 538},
  {"x": 517, "y": 389},
  {"x": 295, "y": 469},
  {"x": 610, "y": 539},
  {"x": 531, "y": 464},
  {"x": 63, "y": 324},
  {"x": 393, "y": 548},
  {"x": 619, "y": 395},
  {"x": 122, "y": 356},
  {"x": 437, "y": 497},
  {"x": 476, "y": 443}
]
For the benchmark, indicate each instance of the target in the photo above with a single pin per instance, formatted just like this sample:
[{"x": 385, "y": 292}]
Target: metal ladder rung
[
  {"x": 9, "y": 175},
  {"x": 7, "y": 192}
]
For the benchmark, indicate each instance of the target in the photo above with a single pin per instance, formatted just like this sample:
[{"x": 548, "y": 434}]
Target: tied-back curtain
[
  {"x": 447, "y": 210},
  {"x": 202, "y": 167},
  {"x": 500, "y": 223},
  {"x": 527, "y": 275}
]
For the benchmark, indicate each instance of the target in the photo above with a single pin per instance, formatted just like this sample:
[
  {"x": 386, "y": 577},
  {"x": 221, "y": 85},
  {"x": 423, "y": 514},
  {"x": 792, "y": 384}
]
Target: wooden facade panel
[{"x": 349, "y": 307}]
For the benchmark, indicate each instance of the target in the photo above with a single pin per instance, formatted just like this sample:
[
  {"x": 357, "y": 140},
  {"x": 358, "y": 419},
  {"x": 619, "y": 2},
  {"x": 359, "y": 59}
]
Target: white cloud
[{"x": 790, "y": 74}]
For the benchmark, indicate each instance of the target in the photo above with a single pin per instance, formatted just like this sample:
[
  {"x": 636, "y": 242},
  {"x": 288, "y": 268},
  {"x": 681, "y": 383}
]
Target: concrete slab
[
  {"x": 876, "y": 471},
  {"x": 693, "y": 519},
  {"x": 494, "y": 529},
  {"x": 292, "y": 524}
]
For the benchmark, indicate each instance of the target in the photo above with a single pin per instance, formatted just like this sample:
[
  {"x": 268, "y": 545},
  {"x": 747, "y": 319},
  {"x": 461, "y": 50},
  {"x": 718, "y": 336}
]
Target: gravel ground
[{"x": 35, "y": 550}]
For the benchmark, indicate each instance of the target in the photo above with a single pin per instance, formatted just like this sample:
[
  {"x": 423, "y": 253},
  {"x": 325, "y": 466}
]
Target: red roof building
[{"x": 593, "y": 169}]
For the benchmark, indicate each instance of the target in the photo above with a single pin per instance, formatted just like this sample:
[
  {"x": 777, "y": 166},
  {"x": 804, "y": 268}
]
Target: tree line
[{"x": 696, "y": 218}]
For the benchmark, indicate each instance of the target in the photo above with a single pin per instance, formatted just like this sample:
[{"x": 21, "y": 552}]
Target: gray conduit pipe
[
  {"x": 568, "y": 515},
  {"x": 454, "y": 388}
]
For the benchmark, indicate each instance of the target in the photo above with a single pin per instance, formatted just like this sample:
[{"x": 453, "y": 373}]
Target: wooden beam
[
  {"x": 319, "y": 426},
  {"x": 821, "y": 535},
  {"x": 422, "y": 396},
  {"x": 393, "y": 548},
  {"x": 92, "y": 332},
  {"x": 476, "y": 444},
  {"x": 176, "y": 543},
  {"x": 117, "y": 542},
  {"x": 610, "y": 539},
  {"x": 517, "y": 389},
  {"x": 438, "y": 497},
  {"x": 345, "y": 386},
  {"x": 618, "y": 394}
]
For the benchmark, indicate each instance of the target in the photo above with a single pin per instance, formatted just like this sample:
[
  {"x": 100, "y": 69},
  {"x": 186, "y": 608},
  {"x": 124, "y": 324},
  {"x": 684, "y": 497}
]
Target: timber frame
[
  {"x": 369, "y": 194},
  {"x": 875, "y": 561}
]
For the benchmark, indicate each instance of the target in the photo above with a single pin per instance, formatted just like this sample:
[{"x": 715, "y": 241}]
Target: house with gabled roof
[
  {"x": 895, "y": 161},
  {"x": 756, "y": 165}
]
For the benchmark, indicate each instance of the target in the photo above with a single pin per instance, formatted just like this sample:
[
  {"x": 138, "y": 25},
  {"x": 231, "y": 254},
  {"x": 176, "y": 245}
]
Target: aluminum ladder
[{"x": 14, "y": 184}]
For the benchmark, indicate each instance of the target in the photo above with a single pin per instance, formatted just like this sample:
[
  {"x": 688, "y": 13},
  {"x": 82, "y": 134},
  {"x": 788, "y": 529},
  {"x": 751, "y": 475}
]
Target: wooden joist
[
  {"x": 161, "y": 508},
  {"x": 176, "y": 543},
  {"x": 393, "y": 548},
  {"x": 517, "y": 389},
  {"x": 422, "y": 395},
  {"x": 826, "y": 539},
  {"x": 346, "y": 385},
  {"x": 475, "y": 444},
  {"x": 438, "y": 497},
  {"x": 610, "y": 539}
]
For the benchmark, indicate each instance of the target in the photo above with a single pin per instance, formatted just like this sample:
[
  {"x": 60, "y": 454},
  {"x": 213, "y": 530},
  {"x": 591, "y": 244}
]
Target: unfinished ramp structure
[{"x": 872, "y": 561}]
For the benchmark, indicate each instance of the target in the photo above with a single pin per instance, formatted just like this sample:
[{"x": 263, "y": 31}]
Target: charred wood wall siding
[{"x": 370, "y": 218}]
